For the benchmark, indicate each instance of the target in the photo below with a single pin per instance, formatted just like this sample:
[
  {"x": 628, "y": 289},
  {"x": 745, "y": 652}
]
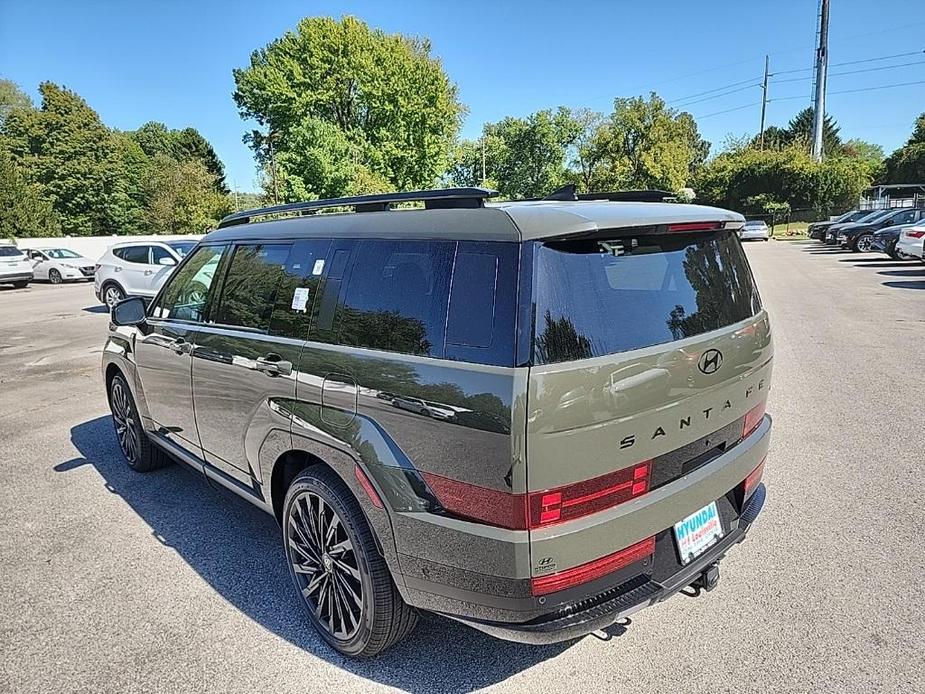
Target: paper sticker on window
[
  {"x": 300, "y": 299},
  {"x": 319, "y": 267}
]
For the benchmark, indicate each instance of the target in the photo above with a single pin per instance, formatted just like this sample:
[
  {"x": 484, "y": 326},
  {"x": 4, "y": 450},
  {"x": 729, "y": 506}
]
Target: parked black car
[
  {"x": 817, "y": 230},
  {"x": 858, "y": 237},
  {"x": 885, "y": 240},
  {"x": 831, "y": 234}
]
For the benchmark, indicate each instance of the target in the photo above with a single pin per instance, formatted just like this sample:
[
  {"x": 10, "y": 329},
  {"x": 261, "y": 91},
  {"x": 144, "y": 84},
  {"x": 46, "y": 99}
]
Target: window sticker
[
  {"x": 300, "y": 299},
  {"x": 319, "y": 267}
]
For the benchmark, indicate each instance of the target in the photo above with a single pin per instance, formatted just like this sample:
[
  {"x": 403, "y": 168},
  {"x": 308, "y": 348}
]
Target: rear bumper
[{"x": 629, "y": 597}]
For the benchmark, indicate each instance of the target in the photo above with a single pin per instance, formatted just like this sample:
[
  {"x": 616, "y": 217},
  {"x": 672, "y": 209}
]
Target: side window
[
  {"x": 481, "y": 320},
  {"x": 132, "y": 254},
  {"x": 188, "y": 290},
  {"x": 249, "y": 291},
  {"x": 296, "y": 299},
  {"x": 157, "y": 253},
  {"x": 396, "y": 297}
]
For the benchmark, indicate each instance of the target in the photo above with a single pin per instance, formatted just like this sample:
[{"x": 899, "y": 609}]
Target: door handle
[
  {"x": 180, "y": 346},
  {"x": 149, "y": 272},
  {"x": 273, "y": 365},
  {"x": 118, "y": 268}
]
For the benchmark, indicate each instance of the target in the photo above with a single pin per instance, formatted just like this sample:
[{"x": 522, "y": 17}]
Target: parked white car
[
  {"x": 911, "y": 242},
  {"x": 15, "y": 266},
  {"x": 755, "y": 229},
  {"x": 57, "y": 265},
  {"x": 137, "y": 268}
]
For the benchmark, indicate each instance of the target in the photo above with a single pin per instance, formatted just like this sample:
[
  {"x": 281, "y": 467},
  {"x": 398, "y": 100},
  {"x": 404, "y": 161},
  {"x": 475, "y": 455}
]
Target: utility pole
[
  {"x": 822, "y": 67},
  {"x": 270, "y": 134},
  {"x": 234, "y": 183},
  {"x": 764, "y": 98},
  {"x": 483, "y": 160}
]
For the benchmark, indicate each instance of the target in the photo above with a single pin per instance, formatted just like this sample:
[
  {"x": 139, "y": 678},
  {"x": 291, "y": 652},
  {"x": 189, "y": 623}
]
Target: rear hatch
[{"x": 649, "y": 350}]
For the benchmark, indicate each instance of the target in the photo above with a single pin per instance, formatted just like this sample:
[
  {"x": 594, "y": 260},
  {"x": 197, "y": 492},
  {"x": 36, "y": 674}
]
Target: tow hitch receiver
[{"x": 708, "y": 579}]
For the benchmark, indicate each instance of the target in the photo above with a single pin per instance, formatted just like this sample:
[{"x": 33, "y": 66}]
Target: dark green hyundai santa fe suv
[{"x": 532, "y": 417}]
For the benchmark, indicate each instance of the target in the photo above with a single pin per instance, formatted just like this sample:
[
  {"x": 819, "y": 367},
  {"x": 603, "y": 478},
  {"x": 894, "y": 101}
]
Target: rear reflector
[
  {"x": 695, "y": 226},
  {"x": 543, "y": 585},
  {"x": 544, "y": 508},
  {"x": 754, "y": 477},
  {"x": 753, "y": 418},
  {"x": 367, "y": 486}
]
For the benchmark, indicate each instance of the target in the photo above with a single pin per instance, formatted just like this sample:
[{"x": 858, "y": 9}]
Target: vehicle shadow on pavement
[
  {"x": 917, "y": 272},
  {"x": 899, "y": 284},
  {"x": 236, "y": 549},
  {"x": 100, "y": 308}
]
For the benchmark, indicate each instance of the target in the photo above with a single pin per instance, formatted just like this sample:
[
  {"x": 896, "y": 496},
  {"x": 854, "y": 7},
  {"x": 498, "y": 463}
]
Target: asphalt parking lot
[{"x": 113, "y": 581}]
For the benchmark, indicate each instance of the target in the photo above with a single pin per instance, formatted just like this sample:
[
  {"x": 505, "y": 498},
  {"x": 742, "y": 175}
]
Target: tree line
[{"x": 346, "y": 109}]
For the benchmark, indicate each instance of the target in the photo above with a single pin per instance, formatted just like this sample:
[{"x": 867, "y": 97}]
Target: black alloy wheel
[{"x": 344, "y": 583}]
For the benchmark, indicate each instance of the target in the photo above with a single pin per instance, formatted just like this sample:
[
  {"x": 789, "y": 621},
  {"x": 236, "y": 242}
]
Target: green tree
[
  {"x": 65, "y": 149},
  {"x": 11, "y": 98},
  {"x": 182, "y": 145},
  {"x": 646, "y": 144},
  {"x": 24, "y": 213},
  {"x": 181, "y": 197},
  {"x": 385, "y": 94},
  {"x": 907, "y": 164},
  {"x": 800, "y": 131}
]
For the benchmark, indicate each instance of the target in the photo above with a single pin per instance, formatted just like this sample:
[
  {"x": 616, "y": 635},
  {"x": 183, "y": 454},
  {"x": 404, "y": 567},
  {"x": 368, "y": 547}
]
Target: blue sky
[{"x": 171, "y": 61}]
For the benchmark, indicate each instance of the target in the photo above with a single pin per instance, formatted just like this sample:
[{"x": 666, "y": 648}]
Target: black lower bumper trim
[{"x": 620, "y": 602}]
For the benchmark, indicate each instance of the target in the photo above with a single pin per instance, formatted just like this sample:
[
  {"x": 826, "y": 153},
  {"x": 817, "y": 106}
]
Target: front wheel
[
  {"x": 863, "y": 243},
  {"x": 140, "y": 454},
  {"x": 344, "y": 582},
  {"x": 54, "y": 276}
]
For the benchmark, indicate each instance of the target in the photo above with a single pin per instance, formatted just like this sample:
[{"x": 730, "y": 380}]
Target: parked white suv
[
  {"x": 137, "y": 268},
  {"x": 911, "y": 242},
  {"x": 15, "y": 266},
  {"x": 59, "y": 265}
]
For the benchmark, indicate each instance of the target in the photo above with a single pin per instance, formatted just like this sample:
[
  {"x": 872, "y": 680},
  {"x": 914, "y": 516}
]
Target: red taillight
[
  {"x": 584, "y": 498},
  {"x": 544, "y": 508},
  {"x": 594, "y": 569},
  {"x": 915, "y": 233},
  {"x": 753, "y": 418},
  {"x": 754, "y": 477},
  {"x": 479, "y": 503},
  {"x": 367, "y": 486},
  {"x": 695, "y": 226}
]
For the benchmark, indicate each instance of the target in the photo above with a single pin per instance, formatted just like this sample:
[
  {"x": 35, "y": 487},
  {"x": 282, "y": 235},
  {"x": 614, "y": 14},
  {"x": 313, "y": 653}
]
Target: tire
[
  {"x": 358, "y": 624},
  {"x": 862, "y": 243},
  {"x": 140, "y": 454},
  {"x": 54, "y": 276},
  {"x": 21, "y": 285},
  {"x": 112, "y": 294}
]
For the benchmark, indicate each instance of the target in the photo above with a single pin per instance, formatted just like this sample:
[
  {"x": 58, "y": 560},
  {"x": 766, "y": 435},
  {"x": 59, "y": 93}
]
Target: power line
[
  {"x": 710, "y": 91},
  {"x": 728, "y": 110},
  {"x": 717, "y": 96},
  {"x": 854, "y": 72},
  {"x": 854, "y": 91},
  {"x": 853, "y": 62}
]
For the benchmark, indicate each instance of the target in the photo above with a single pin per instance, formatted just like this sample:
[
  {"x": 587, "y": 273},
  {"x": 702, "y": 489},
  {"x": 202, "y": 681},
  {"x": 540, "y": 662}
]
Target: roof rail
[
  {"x": 570, "y": 192},
  {"x": 379, "y": 202}
]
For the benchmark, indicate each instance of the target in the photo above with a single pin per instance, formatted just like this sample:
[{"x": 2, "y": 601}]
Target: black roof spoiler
[
  {"x": 570, "y": 193},
  {"x": 380, "y": 202}
]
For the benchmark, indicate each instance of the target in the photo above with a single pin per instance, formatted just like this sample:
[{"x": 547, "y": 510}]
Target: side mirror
[
  {"x": 130, "y": 311},
  {"x": 166, "y": 261}
]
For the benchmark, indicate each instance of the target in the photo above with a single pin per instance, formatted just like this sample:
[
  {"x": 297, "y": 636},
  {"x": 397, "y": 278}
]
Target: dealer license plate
[{"x": 698, "y": 532}]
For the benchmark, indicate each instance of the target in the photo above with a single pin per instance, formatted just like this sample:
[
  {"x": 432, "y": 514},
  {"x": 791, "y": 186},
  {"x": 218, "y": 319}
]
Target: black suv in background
[
  {"x": 859, "y": 236},
  {"x": 817, "y": 230}
]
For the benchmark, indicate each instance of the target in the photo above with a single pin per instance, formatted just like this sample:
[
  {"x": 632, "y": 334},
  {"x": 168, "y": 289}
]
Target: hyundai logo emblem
[{"x": 710, "y": 361}]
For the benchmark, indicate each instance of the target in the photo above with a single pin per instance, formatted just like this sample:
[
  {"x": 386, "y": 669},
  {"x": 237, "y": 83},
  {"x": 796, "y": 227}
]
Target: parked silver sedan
[{"x": 754, "y": 230}]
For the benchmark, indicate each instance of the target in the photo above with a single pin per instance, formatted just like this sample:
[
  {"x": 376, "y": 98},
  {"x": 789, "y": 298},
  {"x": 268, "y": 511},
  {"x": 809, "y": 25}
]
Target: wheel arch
[{"x": 306, "y": 454}]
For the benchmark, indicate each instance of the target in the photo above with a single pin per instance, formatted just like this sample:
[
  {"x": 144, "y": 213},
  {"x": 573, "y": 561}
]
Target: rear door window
[
  {"x": 598, "y": 297},
  {"x": 396, "y": 296},
  {"x": 249, "y": 290},
  {"x": 133, "y": 254},
  {"x": 10, "y": 252}
]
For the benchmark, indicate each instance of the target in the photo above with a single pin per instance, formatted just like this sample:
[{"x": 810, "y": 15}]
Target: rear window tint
[
  {"x": 10, "y": 252},
  {"x": 396, "y": 296},
  {"x": 602, "y": 297},
  {"x": 132, "y": 254}
]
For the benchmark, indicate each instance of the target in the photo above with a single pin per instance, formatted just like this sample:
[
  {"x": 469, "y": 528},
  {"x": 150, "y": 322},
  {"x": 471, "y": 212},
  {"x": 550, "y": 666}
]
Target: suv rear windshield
[
  {"x": 598, "y": 297},
  {"x": 10, "y": 251}
]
